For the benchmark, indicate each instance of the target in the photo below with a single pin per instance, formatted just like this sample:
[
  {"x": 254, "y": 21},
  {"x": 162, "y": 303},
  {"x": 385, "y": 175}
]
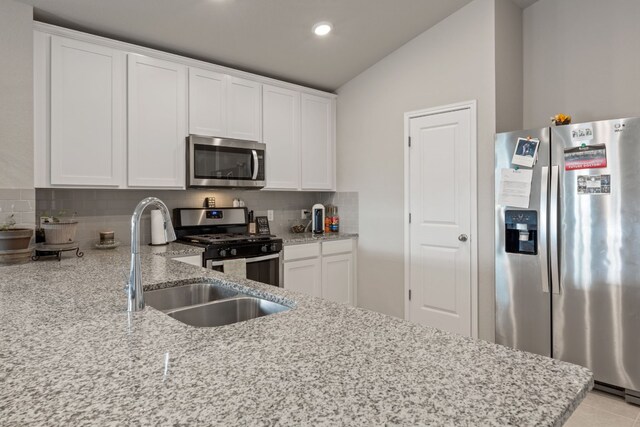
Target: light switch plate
[{"x": 270, "y": 215}]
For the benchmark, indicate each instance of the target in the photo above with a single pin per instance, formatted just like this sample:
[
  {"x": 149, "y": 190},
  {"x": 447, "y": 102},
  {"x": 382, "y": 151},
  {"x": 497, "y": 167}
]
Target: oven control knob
[
  {"x": 223, "y": 252},
  {"x": 264, "y": 248},
  {"x": 233, "y": 252},
  {"x": 274, "y": 247}
]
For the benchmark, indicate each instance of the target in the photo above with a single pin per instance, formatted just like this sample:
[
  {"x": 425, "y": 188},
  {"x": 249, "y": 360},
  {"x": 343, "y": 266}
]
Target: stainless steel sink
[
  {"x": 188, "y": 295},
  {"x": 206, "y": 304},
  {"x": 226, "y": 312}
]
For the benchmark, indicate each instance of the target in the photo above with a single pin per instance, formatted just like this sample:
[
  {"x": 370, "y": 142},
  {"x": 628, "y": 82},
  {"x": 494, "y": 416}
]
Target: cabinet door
[
  {"x": 337, "y": 278},
  {"x": 304, "y": 276},
  {"x": 244, "y": 109},
  {"x": 207, "y": 103},
  {"x": 281, "y": 134},
  {"x": 157, "y": 123},
  {"x": 88, "y": 110},
  {"x": 317, "y": 143}
]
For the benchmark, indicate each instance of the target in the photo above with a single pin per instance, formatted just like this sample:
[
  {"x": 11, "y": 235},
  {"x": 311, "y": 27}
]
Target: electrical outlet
[
  {"x": 303, "y": 214},
  {"x": 270, "y": 215}
]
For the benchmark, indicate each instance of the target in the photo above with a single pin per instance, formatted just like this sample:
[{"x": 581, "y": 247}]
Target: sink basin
[
  {"x": 187, "y": 295},
  {"x": 226, "y": 312}
]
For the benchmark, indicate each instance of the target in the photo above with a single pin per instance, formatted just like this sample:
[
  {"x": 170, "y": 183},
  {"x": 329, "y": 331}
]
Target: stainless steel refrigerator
[{"x": 568, "y": 265}]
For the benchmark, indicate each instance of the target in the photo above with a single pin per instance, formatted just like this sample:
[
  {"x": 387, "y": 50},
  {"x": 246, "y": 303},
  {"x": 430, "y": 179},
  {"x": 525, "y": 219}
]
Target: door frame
[{"x": 473, "y": 233}]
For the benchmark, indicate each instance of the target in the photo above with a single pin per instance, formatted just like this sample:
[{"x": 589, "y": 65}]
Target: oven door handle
[
  {"x": 256, "y": 164},
  {"x": 211, "y": 264}
]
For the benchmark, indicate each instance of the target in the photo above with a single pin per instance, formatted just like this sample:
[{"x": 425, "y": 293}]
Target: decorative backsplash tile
[
  {"x": 347, "y": 203},
  {"x": 100, "y": 210},
  {"x": 21, "y": 202}
]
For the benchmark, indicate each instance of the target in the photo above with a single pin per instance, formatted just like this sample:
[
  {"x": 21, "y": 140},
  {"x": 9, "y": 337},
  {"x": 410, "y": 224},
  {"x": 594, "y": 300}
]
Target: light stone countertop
[
  {"x": 300, "y": 238},
  {"x": 70, "y": 354}
]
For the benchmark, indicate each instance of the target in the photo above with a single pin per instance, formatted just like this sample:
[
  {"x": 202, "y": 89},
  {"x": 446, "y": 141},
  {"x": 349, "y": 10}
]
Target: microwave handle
[{"x": 256, "y": 165}]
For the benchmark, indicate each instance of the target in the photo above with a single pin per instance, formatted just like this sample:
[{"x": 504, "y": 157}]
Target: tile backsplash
[
  {"x": 100, "y": 210},
  {"x": 21, "y": 202},
  {"x": 347, "y": 203}
]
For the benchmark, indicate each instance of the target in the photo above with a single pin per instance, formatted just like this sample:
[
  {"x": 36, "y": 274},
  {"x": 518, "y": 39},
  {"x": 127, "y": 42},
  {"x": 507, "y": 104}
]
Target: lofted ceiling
[{"x": 267, "y": 37}]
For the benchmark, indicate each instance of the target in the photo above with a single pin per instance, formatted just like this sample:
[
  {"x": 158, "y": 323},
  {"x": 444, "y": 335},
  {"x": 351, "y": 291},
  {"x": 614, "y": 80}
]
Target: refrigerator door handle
[
  {"x": 553, "y": 229},
  {"x": 544, "y": 255}
]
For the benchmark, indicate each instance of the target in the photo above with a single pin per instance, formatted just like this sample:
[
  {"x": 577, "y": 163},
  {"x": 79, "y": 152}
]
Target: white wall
[
  {"x": 16, "y": 95},
  {"x": 509, "y": 61},
  {"x": 453, "y": 61},
  {"x": 581, "y": 58},
  {"x": 17, "y": 193}
]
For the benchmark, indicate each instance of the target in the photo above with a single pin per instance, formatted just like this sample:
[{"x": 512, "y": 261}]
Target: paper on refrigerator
[{"x": 515, "y": 187}]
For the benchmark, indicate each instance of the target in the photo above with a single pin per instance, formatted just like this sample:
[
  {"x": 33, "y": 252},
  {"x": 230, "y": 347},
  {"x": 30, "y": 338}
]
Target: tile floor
[{"x": 604, "y": 410}]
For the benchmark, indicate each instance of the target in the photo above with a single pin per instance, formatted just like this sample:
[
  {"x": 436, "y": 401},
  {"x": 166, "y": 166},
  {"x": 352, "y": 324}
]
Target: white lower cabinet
[
  {"x": 337, "y": 278},
  {"x": 303, "y": 276},
  {"x": 325, "y": 270}
]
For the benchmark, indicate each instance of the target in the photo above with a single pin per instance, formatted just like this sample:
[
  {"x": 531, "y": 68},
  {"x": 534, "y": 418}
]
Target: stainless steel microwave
[{"x": 220, "y": 162}]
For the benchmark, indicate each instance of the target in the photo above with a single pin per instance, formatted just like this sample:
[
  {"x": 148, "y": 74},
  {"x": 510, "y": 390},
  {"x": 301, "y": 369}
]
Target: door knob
[{"x": 463, "y": 237}]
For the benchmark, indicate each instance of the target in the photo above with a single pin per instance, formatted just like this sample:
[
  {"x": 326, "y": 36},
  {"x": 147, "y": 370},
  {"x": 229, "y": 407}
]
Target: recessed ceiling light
[{"x": 322, "y": 28}]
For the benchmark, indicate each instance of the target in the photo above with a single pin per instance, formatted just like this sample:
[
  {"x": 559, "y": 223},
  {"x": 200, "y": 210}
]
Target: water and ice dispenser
[{"x": 521, "y": 232}]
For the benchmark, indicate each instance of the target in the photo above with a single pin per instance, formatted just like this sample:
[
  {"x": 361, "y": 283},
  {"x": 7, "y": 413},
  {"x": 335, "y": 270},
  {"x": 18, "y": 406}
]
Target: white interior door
[{"x": 439, "y": 230}]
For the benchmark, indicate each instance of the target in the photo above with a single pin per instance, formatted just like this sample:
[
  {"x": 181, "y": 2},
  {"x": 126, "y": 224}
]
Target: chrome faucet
[{"x": 135, "y": 295}]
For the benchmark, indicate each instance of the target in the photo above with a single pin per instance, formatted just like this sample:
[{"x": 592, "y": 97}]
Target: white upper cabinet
[
  {"x": 317, "y": 143},
  {"x": 281, "y": 134},
  {"x": 207, "y": 103},
  {"x": 109, "y": 114},
  {"x": 157, "y": 122},
  {"x": 224, "y": 106},
  {"x": 88, "y": 114},
  {"x": 244, "y": 109}
]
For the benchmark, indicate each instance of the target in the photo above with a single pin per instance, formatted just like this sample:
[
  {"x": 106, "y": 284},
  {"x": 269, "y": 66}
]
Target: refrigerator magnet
[
  {"x": 526, "y": 152},
  {"x": 594, "y": 184},
  {"x": 582, "y": 134},
  {"x": 585, "y": 157}
]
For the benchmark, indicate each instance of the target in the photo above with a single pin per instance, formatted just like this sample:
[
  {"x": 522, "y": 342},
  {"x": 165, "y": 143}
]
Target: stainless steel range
[{"x": 222, "y": 232}]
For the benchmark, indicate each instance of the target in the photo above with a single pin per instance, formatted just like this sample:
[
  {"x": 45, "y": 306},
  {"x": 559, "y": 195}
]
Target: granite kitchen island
[{"x": 70, "y": 354}]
